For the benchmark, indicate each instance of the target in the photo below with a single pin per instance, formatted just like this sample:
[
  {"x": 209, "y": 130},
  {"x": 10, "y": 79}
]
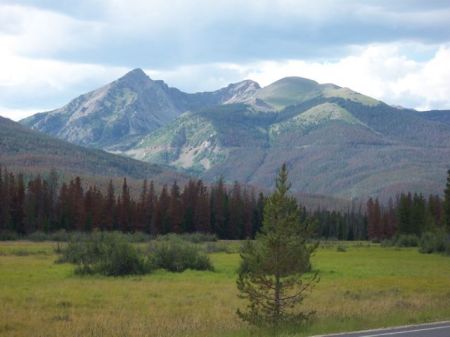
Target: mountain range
[{"x": 335, "y": 141}]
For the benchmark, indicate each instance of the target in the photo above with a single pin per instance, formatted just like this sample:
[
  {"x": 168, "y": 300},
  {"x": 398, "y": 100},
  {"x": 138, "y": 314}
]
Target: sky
[{"x": 53, "y": 51}]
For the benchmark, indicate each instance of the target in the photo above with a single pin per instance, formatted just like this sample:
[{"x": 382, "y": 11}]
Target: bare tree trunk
[{"x": 277, "y": 300}]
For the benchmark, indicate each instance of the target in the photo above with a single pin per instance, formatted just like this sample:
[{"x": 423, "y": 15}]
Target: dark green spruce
[
  {"x": 272, "y": 272},
  {"x": 447, "y": 202}
]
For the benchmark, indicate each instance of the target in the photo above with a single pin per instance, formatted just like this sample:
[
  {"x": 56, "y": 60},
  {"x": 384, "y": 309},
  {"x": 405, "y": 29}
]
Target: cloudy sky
[{"x": 52, "y": 51}]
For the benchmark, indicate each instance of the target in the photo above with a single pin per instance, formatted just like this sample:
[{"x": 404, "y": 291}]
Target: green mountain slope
[
  {"x": 27, "y": 150},
  {"x": 294, "y": 90},
  {"x": 336, "y": 147}
]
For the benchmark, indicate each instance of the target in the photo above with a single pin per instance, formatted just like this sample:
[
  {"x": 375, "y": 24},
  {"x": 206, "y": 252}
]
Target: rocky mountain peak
[
  {"x": 134, "y": 77},
  {"x": 239, "y": 92},
  {"x": 244, "y": 85},
  {"x": 135, "y": 73}
]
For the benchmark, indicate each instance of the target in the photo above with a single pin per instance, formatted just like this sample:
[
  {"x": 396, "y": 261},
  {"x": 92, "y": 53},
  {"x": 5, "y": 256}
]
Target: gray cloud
[{"x": 154, "y": 34}]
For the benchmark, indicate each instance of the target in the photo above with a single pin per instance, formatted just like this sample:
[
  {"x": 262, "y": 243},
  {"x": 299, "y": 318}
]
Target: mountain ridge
[{"x": 336, "y": 141}]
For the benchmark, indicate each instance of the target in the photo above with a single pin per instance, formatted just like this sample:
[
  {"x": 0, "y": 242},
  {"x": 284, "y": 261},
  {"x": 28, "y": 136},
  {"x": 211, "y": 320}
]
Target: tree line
[
  {"x": 409, "y": 214},
  {"x": 29, "y": 204},
  {"x": 43, "y": 204}
]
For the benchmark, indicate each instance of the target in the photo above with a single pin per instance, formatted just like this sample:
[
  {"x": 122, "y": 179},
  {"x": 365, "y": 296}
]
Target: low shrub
[
  {"x": 7, "y": 235},
  {"x": 196, "y": 237},
  {"x": 105, "y": 253},
  {"x": 407, "y": 240},
  {"x": 176, "y": 255},
  {"x": 341, "y": 249},
  {"x": 434, "y": 242},
  {"x": 199, "y": 237},
  {"x": 61, "y": 236},
  {"x": 138, "y": 237},
  {"x": 37, "y": 236},
  {"x": 217, "y": 247},
  {"x": 113, "y": 254},
  {"x": 387, "y": 243}
]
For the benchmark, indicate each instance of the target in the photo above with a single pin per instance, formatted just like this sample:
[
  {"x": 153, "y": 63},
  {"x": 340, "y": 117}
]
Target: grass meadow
[{"x": 366, "y": 286}]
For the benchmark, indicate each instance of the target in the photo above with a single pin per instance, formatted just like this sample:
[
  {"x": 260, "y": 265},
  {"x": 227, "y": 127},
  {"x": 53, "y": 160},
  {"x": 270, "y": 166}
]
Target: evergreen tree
[
  {"x": 65, "y": 218},
  {"x": 109, "y": 209},
  {"x": 435, "y": 211},
  {"x": 89, "y": 207},
  {"x": 149, "y": 208},
  {"x": 404, "y": 214},
  {"x": 175, "y": 211},
  {"x": 258, "y": 214},
  {"x": 374, "y": 220},
  {"x": 161, "y": 222},
  {"x": 272, "y": 267},
  {"x": 125, "y": 207},
  {"x": 6, "y": 201},
  {"x": 447, "y": 202},
  {"x": 235, "y": 223},
  {"x": 189, "y": 199},
  {"x": 202, "y": 219},
  {"x": 219, "y": 212},
  {"x": 391, "y": 220},
  {"x": 76, "y": 203},
  {"x": 2, "y": 202},
  {"x": 248, "y": 205},
  {"x": 17, "y": 205},
  {"x": 418, "y": 214},
  {"x": 52, "y": 182},
  {"x": 142, "y": 208}
]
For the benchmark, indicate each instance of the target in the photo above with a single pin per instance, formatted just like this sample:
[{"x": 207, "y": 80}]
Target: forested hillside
[{"x": 25, "y": 150}]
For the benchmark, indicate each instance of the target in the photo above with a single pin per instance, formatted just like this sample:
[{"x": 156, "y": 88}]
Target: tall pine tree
[
  {"x": 447, "y": 202},
  {"x": 272, "y": 267}
]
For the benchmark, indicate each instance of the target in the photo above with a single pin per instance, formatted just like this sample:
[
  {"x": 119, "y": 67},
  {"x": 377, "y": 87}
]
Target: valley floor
[{"x": 366, "y": 286}]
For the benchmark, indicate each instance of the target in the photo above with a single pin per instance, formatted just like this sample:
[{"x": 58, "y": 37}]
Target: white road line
[
  {"x": 377, "y": 332},
  {"x": 408, "y": 331}
]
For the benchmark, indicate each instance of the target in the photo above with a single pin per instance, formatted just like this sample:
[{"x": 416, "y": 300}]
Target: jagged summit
[
  {"x": 136, "y": 72},
  {"x": 245, "y": 84},
  {"x": 239, "y": 92},
  {"x": 135, "y": 77}
]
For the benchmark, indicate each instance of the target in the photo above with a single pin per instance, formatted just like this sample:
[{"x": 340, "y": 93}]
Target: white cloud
[
  {"x": 156, "y": 14},
  {"x": 33, "y": 31},
  {"x": 430, "y": 84},
  {"x": 26, "y": 83},
  {"x": 29, "y": 74},
  {"x": 382, "y": 71},
  {"x": 31, "y": 79},
  {"x": 18, "y": 114},
  {"x": 200, "y": 77}
]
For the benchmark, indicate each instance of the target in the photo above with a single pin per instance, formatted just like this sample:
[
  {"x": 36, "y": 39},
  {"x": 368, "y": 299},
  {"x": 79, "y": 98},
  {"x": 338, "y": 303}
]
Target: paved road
[{"x": 441, "y": 329}]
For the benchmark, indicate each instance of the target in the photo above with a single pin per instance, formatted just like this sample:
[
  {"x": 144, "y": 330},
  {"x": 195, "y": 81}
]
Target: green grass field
[{"x": 365, "y": 287}]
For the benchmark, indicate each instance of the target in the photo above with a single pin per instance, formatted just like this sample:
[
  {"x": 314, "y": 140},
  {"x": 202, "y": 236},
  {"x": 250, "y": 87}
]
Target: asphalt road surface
[{"x": 441, "y": 329}]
